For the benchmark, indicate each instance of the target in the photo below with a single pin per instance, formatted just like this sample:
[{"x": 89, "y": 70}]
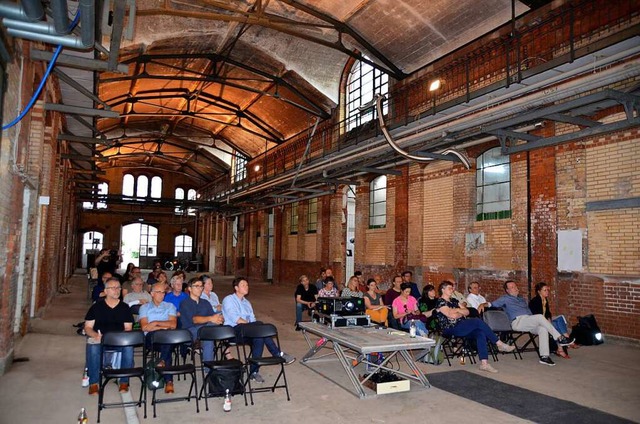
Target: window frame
[
  {"x": 363, "y": 83},
  {"x": 482, "y": 185},
  {"x": 373, "y": 202},
  {"x": 293, "y": 218},
  {"x": 312, "y": 215}
]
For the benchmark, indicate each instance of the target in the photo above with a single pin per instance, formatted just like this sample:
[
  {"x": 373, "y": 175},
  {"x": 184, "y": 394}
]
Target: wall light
[
  {"x": 435, "y": 85},
  {"x": 256, "y": 168}
]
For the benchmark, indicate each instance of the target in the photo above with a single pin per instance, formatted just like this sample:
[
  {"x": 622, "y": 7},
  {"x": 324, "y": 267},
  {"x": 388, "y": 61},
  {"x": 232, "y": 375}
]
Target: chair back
[
  {"x": 497, "y": 320},
  {"x": 253, "y": 331},
  {"x": 135, "y": 309},
  {"x": 171, "y": 337},
  {"x": 123, "y": 339},
  {"x": 216, "y": 332}
]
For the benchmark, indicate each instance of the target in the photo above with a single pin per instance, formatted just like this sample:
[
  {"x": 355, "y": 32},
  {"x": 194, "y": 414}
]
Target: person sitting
[
  {"x": 104, "y": 317},
  {"x": 453, "y": 321},
  {"x": 381, "y": 285},
  {"x": 374, "y": 306},
  {"x": 158, "y": 315},
  {"x": 394, "y": 291},
  {"x": 98, "y": 292},
  {"x": 522, "y": 319},
  {"x": 362, "y": 287},
  {"x": 176, "y": 295},
  {"x": 427, "y": 305},
  {"x": 407, "y": 277},
  {"x": 405, "y": 311},
  {"x": 306, "y": 296},
  {"x": 137, "y": 296},
  {"x": 238, "y": 312},
  {"x": 540, "y": 305},
  {"x": 126, "y": 279},
  {"x": 352, "y": 288},
  {"x": 209, "y": 295},
  {"x": 152, "y": 278},
  {"x": 328, "y": 290},
  {"x": 475, "y": 299},
  {"x": 323, "y": 275}
]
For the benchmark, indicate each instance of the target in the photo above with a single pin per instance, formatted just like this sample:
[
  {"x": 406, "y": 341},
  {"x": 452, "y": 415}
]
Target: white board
[{"x": 570, "y": 250}]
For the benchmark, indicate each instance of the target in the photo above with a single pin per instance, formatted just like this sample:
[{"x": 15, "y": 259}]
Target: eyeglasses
[
  {"x": 197, "y": 286},
  {"x": 157, "y": 291},
  {"x": 114, "y": 288}
]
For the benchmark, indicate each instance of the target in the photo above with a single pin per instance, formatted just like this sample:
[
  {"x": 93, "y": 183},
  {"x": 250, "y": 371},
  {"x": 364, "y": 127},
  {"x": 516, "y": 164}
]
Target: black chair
[
  {"x": 251, "y": 331},
  {"x": 456, "y": 347},
  {"x": 222, "y": 336},
  {"x": 500, "y": 324},
  {"x": 175, "y": 338},
  {"x": 116, "y": 340}
]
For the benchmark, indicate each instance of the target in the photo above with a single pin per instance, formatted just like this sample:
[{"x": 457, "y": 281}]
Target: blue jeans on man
[
  {"x": 299, "y": 309},
  {"x": 165, "y": 352},
  {"x": 257, "y": 345},
  {"x": 93, "y": 353}
]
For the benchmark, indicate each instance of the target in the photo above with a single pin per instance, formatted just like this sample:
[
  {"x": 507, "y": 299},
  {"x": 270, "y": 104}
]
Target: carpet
[{"x": 514, "y": 400}]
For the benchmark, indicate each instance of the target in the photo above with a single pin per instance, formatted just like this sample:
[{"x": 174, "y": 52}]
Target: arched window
[
  {"x": 179, "y": 195},
  {"x": 183, "y": 246},
  {"x": 378, "y": 202},
  {"x": 493, "y": 186},
  {"x": 363, "y": 84},
  {"x": 148, "y": 240},
  {"x": 191, "y": 195},
  {"x": 156, "y": 187},
  {"x": 128, "y": 183},
  {"x": 140, "y": 188},
  {"x": 240, "y": 168}
]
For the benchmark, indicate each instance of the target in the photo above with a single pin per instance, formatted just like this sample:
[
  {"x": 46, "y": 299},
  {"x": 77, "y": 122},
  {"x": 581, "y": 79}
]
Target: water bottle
[
  {"x": 83, "y": 418},
  {"x": 412, "y": 329},
  {"x": 85, "y": 378},
  {"x": 227, "y": 402}
]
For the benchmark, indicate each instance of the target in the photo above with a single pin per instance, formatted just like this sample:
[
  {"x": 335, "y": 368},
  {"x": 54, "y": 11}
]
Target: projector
[{"x": 341, "y": 305}]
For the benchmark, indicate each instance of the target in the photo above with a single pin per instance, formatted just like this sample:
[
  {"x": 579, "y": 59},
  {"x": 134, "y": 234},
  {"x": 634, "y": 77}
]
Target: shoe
[
  {"x": 503, "y": 347},
  {"x": 288, "y": 359},
  {"x": 124, "y": 387},
  {"x": 488, "y": 368},
  {"x": 257, "y": 378},
  {"x": 168, "y": 387},
  {"x": 94, "y": 389},
  {"x": 545, "y": 360},
  {"x": 560, "y": 352},
  {"x": 563, "y": 341},
  {"x": 298, "y": 328},
  {"x": 574, "y": 346}
]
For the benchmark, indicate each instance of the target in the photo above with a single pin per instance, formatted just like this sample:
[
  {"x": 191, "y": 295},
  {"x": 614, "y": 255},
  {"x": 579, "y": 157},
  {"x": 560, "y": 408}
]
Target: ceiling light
[
  {"x": 256, "y": 168},
  {"x": 435, "y": 85}
]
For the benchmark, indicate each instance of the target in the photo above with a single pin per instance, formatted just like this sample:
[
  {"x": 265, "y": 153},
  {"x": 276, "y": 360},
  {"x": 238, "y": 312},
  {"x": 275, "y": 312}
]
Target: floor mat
[{"x": 517, "y": 401}]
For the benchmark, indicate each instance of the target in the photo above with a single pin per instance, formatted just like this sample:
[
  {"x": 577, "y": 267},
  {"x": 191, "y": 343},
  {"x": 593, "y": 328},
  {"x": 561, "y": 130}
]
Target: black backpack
[
  {"x": 586, "y": 331},
  {"x": 152, "y": 377},
  {"x": 223, "y": 379}
]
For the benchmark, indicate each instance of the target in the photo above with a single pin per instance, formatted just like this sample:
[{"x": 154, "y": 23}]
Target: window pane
[
  {"x": 127, "y": 185},
  {"x": 156, "y": 187},
  {"x": 142, "y": 189},
  {"x": 493, "y": 181}
]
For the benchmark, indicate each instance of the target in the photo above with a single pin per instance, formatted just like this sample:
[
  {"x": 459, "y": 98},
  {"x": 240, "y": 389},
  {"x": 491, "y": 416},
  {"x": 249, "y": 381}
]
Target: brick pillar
[{"x": 401, "y": 222}]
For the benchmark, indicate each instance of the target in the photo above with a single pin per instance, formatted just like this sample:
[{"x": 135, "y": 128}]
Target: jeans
[
  {"x": 299, "y": 309},
  {"x": 165, "y": 353},
  {"x": 93, "y": 353},
  {"x": 206, "y": 346},
  {"x": 421, "y": 329},
  {"x": 477, "y": 329},
  {"x": 560, "y": 324},
  {"x": 257, "y": 345}
]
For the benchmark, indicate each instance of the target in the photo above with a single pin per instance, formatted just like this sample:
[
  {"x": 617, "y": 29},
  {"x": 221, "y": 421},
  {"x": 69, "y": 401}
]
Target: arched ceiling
[{"x": 209, "y": 79}]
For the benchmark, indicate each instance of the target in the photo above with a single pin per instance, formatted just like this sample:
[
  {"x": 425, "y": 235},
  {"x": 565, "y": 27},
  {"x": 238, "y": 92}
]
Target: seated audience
[
  {"x": 362, "y": 287},
  {"x": 475, "y": 299},
  {"x": 176, "y": 295},
  {"x": 394, "y": 291},
  {"x": 405, "y": 310},
  {"x": 374, "y": 305},
  {"x": 209, "y": 295},
  {"x": 306, "y": 296},
  {"x": 137, "y": 295},
  {"x": 158, "y": 315},
  {"x": 522, "y": 319},
  {"x": 323, "y": 275},
  {"x": 98, "y": 292},
  {"x": 453, "y": 321},
  {"x": 352, "y": 288},
  {"x": 427, "y": 305},
  {"x": 328, "y": 290},
  {"x": 381, "y": 285},
  {"x": 540, "y": 305},
  {"x": 238, "y": 312},
  {"x": 104, "y": 317},
  {"x": 407, "y": 277}
]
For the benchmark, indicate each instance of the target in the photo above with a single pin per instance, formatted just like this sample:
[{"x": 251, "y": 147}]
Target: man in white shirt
[{"x": 475, "y": 299}]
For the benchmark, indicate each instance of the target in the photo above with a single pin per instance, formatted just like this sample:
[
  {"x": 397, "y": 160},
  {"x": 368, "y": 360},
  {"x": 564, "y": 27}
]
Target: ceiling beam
[
  {"x": 77, "y": 110},
  {"x": 379, "y": 171},
  {"x": 77, "y": 62},
  {"x": 84, "y": 140}
]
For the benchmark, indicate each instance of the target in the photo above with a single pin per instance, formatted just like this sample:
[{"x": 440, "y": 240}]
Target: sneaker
[
  {"x": 563, "y": 341},
  {"x": 545, "y": 360},
  {"x": 488, "y": 368},
  {"x": 503, "y": 347},
  {"x": 94, "y": 389},
  {"x": 168, "y": 387},
  {"x": 257, "y": 377},
  {"x": 124, "y": 387},
  {"x": 288, "y": 359}
]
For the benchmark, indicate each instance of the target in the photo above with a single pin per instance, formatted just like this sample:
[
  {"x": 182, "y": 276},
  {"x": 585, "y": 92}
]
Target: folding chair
[
  {"x": 221, "y": 336},
  {"x": 500, "y": 324},
  {"x": 253, "y": 331},
  {"x": 175, "y": 338},
  {"x": 119, "y": 340}
]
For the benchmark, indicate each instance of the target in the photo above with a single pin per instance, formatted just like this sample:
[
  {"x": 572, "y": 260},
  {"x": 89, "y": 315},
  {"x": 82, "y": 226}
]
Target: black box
[{"x": 341, "y": 305}]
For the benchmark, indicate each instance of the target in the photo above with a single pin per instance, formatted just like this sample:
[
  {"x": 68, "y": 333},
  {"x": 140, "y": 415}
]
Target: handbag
[{"x": 152, "y": 377}]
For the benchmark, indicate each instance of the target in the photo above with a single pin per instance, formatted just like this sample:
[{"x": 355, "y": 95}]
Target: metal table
[{"x": 362, "y": 341}]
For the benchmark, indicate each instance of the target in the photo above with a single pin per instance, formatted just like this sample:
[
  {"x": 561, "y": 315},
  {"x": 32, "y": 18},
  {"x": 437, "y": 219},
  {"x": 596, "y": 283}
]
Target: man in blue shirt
[
  {"x": 176, "y": 296},
  {"x": 238, "y": 310},
  {"x": 158, "y": 315},
  {"x": 523, "y": 320}
]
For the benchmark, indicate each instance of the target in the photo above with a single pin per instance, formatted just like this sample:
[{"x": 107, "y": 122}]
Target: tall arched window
[
  {"x": 140, "y": 188},
  {"x": 183, "y": 246},
  {"x": 191, "y": 195},
  {"x": 363, "y": 84},
  {"x": 378, "y": 202},
  {"x": 179, "y": 195},
  {"x": 128, "y": 183},
  {"x": 156, "y": 187},
  {"x": 493, "y": 186}
]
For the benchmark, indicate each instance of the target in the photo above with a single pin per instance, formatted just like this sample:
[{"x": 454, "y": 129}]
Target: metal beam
[
  {"x": 305, "y": 190},
  {"x": 77, "y": 110},
  {"x": 87, "y": 171},
  {"x": 346, "y": 182},
  {"x": 76, "y": 180},
  {"x": 575, "y": 120},
  {"x": 515, "y": 135},
  {"x": 77, "y": 62},
  {"x": 84, "y": 140},
  {"x": 116, "y": 33},
  {"x": 379, "y": 171},
  {"x": 74, "y": 84}
]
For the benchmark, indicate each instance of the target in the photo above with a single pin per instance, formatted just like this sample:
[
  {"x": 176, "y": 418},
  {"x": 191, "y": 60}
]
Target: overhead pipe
[
  {"x": 60, "y": 14},
  {"x": 33, "y": 9},
  {"x": 62, "y": 40},
  {"x": 39, "y": 27},
  {"x": 88, "y": 17},
  {"x": 13, "y": 11}
]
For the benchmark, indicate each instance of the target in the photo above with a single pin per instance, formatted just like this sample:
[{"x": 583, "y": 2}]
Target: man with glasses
[
  {"x": 137, "y": 294},
  {"x": 196, "y": 312},
  {"x": 158, "y": 315},
  {"x": 103, "y": 317}
]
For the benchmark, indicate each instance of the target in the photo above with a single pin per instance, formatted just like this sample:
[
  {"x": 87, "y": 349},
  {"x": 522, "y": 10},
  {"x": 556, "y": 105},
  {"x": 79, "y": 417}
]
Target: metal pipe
[
  {"x": 63, "y": 40},
  {"x": 60, "y": 14},
  {"x": 13, "y": 11},
  {"x": 36, "y": 27},
  {"x": 33, "y": 9},
  {"x": 88, "y": 19}
]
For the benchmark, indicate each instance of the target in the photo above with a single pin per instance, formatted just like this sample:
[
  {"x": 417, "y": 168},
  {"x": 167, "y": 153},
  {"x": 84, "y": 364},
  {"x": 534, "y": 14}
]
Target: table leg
[
  {"x": 349, "y": 370},
  {"x": 414, "y": 367}
]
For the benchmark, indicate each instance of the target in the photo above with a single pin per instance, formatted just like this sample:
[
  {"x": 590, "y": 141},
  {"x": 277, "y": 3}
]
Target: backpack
[
  {"x": 222, "y": 379},
  {"x": 152, "y": 377},
  {"x": 585, "y": 331}
]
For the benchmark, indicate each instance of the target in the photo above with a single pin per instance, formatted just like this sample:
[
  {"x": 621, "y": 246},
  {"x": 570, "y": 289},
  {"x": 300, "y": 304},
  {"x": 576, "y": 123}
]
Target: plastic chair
[
  {"x": 175, "y": 338},
  {"x": 253, "y": 331},
  {"x": 221, "y": 336},
  {"x": 118, "y": 340}
]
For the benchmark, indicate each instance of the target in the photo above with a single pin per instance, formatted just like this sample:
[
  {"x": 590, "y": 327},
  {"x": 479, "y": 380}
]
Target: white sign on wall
[{"x": 570, "y": 250}]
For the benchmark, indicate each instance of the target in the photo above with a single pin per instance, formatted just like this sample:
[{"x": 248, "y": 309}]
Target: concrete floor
[{"x": 43, "y": 385}]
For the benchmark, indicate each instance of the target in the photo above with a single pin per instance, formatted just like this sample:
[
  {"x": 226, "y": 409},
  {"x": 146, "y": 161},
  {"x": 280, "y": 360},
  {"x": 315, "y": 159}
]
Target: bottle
[
  {"x": 227, "y": 402},
  {"x": 85, "y": 378},
  {"x": 412, "y": 329},
  {"x": 82, "y": 417}
]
